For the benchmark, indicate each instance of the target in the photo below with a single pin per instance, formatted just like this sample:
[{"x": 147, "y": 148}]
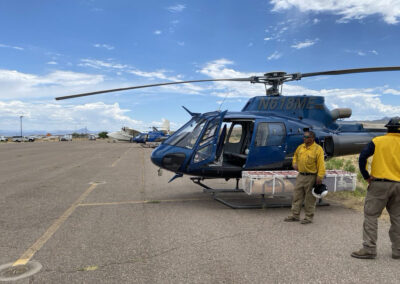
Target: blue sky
[{"x": 53, "y": 48}]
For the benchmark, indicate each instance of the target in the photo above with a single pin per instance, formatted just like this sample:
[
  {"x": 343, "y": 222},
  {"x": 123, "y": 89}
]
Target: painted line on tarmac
[
  {"x": 28, "y": 254},
  {"x": 120, "y": 157},
  {"x": 144, "y": 201}
]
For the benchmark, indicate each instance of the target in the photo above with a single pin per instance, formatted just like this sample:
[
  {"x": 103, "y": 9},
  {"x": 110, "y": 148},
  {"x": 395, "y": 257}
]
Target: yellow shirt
[
  {"x": 386, "y": 159},
  {"x": 310, "y": 159}
]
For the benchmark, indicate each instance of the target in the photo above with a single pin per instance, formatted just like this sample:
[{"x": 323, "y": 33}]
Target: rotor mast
[{"x": 275, "y": 79}]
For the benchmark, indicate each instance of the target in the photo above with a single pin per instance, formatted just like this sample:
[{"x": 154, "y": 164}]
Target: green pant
[
  {"x": 302, "y": 193},
  {"x": 380, "y": 195}
]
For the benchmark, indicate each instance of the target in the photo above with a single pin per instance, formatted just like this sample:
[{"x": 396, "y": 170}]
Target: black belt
[
  {"x": 308, "y": 174},
  {"x": 383, "y": 179}
]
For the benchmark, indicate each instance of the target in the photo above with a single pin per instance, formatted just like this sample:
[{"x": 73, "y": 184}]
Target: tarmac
[{"x": 98, "y": 212}]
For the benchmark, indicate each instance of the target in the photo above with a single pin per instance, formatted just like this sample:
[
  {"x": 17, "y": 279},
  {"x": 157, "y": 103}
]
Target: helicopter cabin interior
[
  {"x": 246, "y": 141},
  {"x": 237, "y": 141}
]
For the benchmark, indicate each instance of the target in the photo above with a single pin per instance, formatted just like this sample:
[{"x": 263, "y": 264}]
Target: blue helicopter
[
  {"x": 263, "y": 135},
  {"x": 152, "y": 136}
]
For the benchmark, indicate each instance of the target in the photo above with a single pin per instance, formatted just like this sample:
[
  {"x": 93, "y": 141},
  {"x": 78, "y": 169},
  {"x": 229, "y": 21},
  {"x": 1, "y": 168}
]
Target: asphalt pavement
[{"x": 98, "y": 212}]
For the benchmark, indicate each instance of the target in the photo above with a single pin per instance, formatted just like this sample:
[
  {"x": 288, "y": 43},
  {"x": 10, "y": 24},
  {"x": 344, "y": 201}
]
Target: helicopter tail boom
[{"x": 348, "y": 144}]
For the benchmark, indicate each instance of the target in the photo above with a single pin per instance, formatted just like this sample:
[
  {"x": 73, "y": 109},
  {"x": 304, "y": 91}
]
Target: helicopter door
[
  {"x": 206, "y": 147},
  {"x": 267, "y": 150}
]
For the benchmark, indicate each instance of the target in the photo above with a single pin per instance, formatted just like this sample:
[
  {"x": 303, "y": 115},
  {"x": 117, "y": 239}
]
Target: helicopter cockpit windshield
[{"x": 187, "y": 136}]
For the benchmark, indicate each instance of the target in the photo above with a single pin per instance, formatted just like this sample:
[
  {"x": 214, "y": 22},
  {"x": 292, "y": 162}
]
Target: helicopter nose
[
  {"x": 165, "y": 159},
  {"x": 156, "y": 158}
]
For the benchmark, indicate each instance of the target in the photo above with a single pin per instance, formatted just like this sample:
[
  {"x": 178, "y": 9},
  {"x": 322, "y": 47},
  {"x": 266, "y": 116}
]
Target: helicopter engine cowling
[
  {"x": 341, "y": 113},
  {"x": 340, "y": 145}
]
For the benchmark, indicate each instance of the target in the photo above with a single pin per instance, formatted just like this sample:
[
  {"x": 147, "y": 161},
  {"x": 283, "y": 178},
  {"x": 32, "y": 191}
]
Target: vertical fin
[{"x": 193, "y": 114}]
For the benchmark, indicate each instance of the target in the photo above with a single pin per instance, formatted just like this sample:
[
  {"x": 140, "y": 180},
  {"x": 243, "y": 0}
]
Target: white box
[{"x": 283, "y": 182}]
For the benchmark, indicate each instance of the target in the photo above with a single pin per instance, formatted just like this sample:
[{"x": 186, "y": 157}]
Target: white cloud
[
  {"x": 15, "y": 84},
  {"x": 348, "y": 10},
  {"x": 157, "y": 32},
  {"x": 150, "y": 75},
  {"x": 365, "y": 103},
  {"x": 277, "y": 32},
  {"x": 274, "y": 56},
  {"x": 218, "y": 69},
  {"x": 53, "y": 116},
  {"x": 99, "y": 64},
  {"x": 176, "y": 8},
  {"x": 362, "y": 53},
  {"x": 52, "y": 63},
  {"x": 162, "y": 75},
  {"x": 10, "y": 46},
  {"x": 392, "y": 92},
  {"x": 118, "y": 67},
  {"x": 304, "y": 44},
  {"x": 103, "y": 45}
]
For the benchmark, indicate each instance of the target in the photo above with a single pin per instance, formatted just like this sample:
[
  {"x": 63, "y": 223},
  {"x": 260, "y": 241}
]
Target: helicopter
[
  {"x": 155, "y": 135},
  {"x": 263, "y": 135}
]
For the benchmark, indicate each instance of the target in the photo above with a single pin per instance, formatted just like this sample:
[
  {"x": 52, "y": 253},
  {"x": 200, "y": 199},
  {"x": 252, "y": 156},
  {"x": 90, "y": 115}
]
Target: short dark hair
[{"x": 312, "y": 133}]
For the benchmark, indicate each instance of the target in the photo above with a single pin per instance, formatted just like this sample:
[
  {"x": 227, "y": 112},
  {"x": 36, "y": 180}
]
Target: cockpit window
[
  {"x": 210, "y": 131},
  {"x": 187, "y": 136},
  {"x": 236, "y": 134}
]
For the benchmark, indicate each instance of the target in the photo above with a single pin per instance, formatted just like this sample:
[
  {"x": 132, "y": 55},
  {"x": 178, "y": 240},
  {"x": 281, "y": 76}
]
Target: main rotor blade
[
  {"x": 349, "y": 71},
  {"x": 151, "y": 85}
]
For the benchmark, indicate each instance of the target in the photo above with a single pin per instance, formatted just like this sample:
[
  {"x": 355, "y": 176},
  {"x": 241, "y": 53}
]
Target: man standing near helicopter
[
  {"x": 309, "y": 161},
  {"x": 383, "y": 190}
]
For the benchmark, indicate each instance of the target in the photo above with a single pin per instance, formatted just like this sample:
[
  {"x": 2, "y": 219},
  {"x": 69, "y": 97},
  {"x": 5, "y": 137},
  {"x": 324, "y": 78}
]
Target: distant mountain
[{"x": 377, "y": 121}]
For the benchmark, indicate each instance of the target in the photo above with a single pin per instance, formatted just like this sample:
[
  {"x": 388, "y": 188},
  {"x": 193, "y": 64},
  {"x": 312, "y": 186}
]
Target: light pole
[{"x": 21, "y": 127}]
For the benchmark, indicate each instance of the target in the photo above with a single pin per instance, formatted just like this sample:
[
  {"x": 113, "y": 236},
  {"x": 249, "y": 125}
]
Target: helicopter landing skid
[
  {"x": 261, "y": 204},
  {"x": 207, "y": 189}
]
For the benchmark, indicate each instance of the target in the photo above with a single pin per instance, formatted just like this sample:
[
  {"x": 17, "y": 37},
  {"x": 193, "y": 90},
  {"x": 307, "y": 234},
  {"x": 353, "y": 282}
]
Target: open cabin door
[
  {"x": 268, "y": 146},
  {"x": 210, "y": 142}
]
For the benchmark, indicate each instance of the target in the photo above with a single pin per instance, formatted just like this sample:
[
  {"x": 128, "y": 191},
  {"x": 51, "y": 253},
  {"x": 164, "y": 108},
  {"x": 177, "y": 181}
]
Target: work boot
[
  {"x": 305, "y": 221},
  {"x": 363, "y": 254},
  {"x": 291, "y": 219},
  {"x": 396, "y": 253}
]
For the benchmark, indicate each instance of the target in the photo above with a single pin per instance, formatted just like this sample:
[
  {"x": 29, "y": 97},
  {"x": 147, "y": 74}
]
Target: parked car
[
  {"x": 66, "y": 137},
  {"x": 16, "y": 139},
  {"x": 23, "y": 139},
  {"x": 3, "y": 139}
]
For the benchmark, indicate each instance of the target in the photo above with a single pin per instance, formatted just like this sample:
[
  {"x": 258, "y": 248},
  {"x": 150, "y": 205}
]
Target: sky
[{"x": 51, "y": 48}]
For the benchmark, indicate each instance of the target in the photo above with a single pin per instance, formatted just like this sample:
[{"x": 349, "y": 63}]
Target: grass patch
[{"x": 350, "y": 199}]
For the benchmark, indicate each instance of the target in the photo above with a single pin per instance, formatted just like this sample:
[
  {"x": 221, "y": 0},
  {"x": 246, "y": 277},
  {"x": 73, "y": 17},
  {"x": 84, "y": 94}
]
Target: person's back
[
  {"x": 383, "y": 190},
  {"x": 386, "y": 159}
]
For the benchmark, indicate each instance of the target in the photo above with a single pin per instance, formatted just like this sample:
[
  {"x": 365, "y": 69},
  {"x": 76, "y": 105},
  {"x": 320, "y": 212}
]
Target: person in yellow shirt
[
  {"x": 308, "y": 160},
  {"x": 383, "y": 190}
]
